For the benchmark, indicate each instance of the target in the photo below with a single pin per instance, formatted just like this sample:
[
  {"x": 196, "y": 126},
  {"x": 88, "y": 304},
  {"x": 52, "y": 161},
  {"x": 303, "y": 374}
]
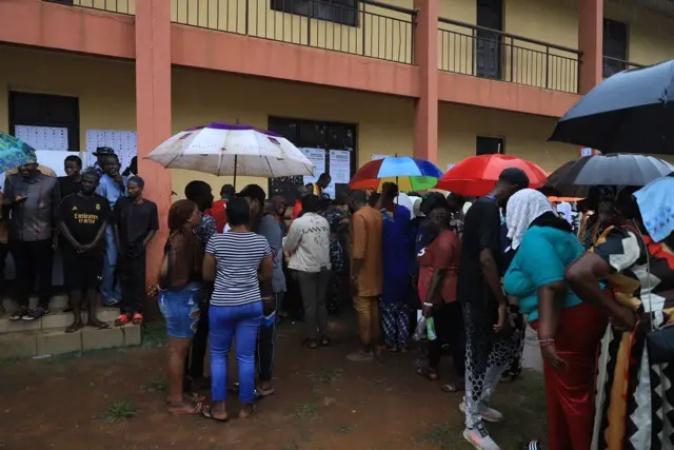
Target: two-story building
[{"x": 441, "y": 79}]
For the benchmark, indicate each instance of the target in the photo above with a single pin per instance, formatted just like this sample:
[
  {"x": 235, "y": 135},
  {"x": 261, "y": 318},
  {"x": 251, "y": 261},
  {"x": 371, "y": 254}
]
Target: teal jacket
[{"x": 541, "y": 259}]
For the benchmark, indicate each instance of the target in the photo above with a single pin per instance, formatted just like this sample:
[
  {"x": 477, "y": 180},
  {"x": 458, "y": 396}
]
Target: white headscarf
[{"x": 523, "y": 208}]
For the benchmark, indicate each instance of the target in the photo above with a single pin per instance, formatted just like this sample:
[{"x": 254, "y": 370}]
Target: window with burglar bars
[{"x": 338, "y": 11}]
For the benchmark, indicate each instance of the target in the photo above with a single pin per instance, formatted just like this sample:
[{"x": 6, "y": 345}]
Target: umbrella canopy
[
  {"x": 14, "y": 152},
  {"x": 575, "y": 177},
  {"x": 223, "y": 149},
  {"x": 656, "y": 204},
  {"x": 419, "y": 174},
  {"x": 630, "y": 112},
  {"x": 477, "y": 175}
]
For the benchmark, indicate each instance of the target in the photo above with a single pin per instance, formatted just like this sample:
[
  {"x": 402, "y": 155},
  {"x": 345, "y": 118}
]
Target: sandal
[
  {"x": 207, "y": 413},
  {"x": 427, "y": 373},
  {"x": 122, "y": 320},
  {"x": 186, "y": 409},
  {"x": 311, "y": 344},
  {"x": 325, "y": 342},
  {"x": 137, "y": 318},
  {"x": 451, "y": 388}
]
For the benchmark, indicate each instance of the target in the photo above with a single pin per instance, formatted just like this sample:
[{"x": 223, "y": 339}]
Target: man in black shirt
[
  {"x": 136, "y": 223},
  {"x": 70, "y": 184},
  {"x": 82, "y": 219},
  {"x": 489, "y": 349}
]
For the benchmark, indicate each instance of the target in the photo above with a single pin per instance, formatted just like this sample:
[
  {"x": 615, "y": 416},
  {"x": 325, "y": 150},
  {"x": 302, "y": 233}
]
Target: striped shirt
[{"x": 238, "y": 257}]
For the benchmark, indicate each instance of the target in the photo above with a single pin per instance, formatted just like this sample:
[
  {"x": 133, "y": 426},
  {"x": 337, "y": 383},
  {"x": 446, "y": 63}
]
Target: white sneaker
[
  {"x": 479, "y": 438},
  {"x": 486, "y": 413}
]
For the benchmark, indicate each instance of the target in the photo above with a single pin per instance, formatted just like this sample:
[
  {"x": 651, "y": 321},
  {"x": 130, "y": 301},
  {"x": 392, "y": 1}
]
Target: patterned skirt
[{"x": 635, "y": 399}]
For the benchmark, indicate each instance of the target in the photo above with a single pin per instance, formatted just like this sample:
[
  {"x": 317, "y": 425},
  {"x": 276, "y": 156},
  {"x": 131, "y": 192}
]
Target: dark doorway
[
  {"x": 488, "y": 43},
  {"x": 615, "y": 47},
  {"x": 315, "y": 134},
  {"x": 46, "y": 111},
  {"x": 489, "y": 145}
]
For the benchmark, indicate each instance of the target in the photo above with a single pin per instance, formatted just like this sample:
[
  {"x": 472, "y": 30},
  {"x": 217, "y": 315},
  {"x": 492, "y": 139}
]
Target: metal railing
[
  {"x": 369, "y": 28},
  {"x": 615, "y": 65},
  {"x": 114, "y": 6},
  {"x": 488, "y": 53}
]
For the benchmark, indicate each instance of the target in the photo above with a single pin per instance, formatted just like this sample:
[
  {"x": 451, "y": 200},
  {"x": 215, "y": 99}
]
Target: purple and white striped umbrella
[{"x": 223, "y": 149}]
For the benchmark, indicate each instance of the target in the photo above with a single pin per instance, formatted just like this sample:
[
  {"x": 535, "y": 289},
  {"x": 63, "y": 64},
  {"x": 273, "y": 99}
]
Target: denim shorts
[{"x": 180, "y": 308}]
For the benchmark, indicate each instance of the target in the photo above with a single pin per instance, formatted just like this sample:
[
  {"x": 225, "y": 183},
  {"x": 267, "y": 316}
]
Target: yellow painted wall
[
  {"x": 105, "y": 87},
  {"x": 650, "y": 35},
  {"x": 384, "y": 123},
  {"x": 525, "y": 135}
]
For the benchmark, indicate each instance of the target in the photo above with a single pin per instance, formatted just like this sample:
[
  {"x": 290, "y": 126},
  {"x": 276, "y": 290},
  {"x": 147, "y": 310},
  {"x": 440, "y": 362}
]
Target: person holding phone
[{"x": 31, "y": 199}]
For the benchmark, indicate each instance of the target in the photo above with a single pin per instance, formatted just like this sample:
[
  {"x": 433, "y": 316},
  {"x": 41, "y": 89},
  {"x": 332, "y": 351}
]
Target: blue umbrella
[
  {"x": 630, "y": 112},
  {"x": 14, "y": 152}
]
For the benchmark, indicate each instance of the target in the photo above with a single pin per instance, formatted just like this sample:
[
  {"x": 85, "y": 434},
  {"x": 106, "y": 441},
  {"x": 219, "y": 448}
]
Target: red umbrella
[{"x": 477, "y": 175}]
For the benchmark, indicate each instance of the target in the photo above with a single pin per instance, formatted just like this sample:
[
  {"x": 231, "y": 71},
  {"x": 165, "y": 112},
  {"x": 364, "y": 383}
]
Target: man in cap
[
  {"x": 32, "y": 199},
  {"x": 489, "y": 350}
]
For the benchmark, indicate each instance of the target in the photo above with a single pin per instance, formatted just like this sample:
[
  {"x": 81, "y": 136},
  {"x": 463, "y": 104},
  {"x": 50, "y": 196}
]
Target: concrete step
[
  {"x": 54, "y": 320},
  {"x": 57, "y": 303},
  {"x": 56, "y": 341}
]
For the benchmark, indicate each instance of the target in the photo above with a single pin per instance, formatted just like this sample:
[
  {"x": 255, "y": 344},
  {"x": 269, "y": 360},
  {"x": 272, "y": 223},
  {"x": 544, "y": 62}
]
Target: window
[
  {"x": 46, "y": 111},
  {"x": 488, "y": 43},
  {"x": 314, "y": 134},
  {"x": 489, "y": 145},
  {"x": 339, "y": 11},
  {"x": 615, "y": 47}
]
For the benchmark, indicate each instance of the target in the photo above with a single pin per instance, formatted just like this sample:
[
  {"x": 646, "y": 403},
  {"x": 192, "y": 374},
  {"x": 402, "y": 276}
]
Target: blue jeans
[
  {"x": 225, "y": 323},
  {"x": 110, "y": 290}
]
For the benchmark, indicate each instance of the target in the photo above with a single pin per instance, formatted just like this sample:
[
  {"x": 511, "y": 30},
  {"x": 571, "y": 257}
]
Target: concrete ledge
[
  {"x": 97, "y": 339},
  {"x": 57, "y": 342},
  {"x": 10, "y": 326},
  {"x": 18, "y": 345},
  {"x": 132, "y": 335}
]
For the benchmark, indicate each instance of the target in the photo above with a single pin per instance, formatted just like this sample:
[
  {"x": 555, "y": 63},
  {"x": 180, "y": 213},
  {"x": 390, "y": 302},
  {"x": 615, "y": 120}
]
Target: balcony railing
[
  {"x": 115, "y": 6},
  {"x": 487, "y": 53},
  {"x": 369, "y": 28},
  {"x": 615, "y": 65}
]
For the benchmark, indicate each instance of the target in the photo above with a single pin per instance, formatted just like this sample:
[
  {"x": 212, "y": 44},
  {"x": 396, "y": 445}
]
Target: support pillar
[
  {"x": 153, "y": 113},
  {"x": 591, "y": 43},
  {"x": 426, "y": 55}
]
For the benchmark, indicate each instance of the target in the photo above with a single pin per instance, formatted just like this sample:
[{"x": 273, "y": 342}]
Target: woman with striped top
[{"x": 233, "y": 261}]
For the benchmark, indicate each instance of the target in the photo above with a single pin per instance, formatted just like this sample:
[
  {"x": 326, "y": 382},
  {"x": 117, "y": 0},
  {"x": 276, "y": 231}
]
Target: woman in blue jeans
[
  {"x": 179, "y": 293},
  {"x": 235, "y": 261}
]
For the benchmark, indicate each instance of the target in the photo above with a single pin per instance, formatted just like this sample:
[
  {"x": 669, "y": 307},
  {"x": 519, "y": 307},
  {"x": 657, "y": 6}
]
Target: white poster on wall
[
  {"x": 340, "y": 169},
  {"x": 123, "y": 142},
  {"x": 317, "y": 157},
  {"x": 43, "y": 138}
]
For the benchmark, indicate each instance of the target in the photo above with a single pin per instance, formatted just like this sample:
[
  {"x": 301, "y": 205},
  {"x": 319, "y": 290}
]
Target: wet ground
[{"x": 322, "y": 402}]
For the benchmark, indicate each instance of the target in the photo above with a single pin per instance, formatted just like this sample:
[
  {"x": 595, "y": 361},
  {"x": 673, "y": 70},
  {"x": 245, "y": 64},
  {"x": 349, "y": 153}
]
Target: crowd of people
[{"x": 462, "y": 274}]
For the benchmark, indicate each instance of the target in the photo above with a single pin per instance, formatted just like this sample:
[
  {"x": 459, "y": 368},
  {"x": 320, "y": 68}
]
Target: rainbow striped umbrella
[{"x": 413, "y": 174}]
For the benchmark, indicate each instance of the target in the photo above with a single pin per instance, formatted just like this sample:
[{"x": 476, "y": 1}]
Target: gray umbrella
[
  {"x": 610, "y": 170},
  {"x": 630, "y": 112}
]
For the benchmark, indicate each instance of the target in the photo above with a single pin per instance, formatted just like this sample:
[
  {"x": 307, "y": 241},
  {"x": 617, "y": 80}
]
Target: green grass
[
  {"x": 326, "y": 375},
  {"x": 156, "y": 384},
  {"x": 120, "y": 410},
  {"x": 9, "y": 360},
  {"x": 306, "y": 411},
  {"x": 345, "y": 429},
  {"x": 154, "y": 334}
]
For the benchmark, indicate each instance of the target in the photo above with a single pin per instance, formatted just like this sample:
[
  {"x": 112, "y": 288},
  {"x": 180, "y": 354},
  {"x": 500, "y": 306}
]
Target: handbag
[{"x": 660, "y": 342}]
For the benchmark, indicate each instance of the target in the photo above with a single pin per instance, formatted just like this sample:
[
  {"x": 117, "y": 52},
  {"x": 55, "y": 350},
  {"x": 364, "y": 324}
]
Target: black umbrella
[
  {"x": 575, "y": 177},
  {"x": 630, "y": 112}
]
